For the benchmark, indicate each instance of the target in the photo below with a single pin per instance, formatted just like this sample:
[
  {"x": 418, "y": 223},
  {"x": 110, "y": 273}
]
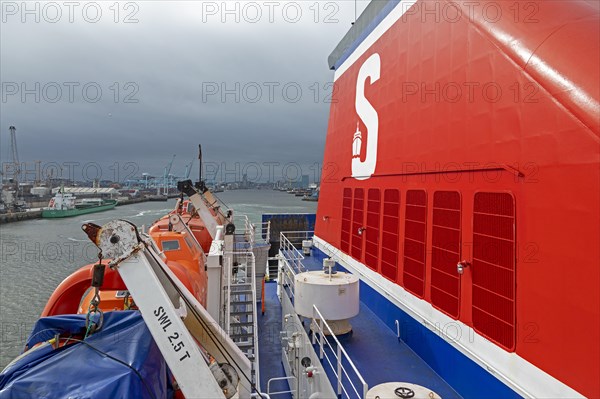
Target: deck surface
[{"x": 269, "y": 349}]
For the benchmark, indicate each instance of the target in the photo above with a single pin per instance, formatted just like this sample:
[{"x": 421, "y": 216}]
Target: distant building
[{"x": 304, "y": 182}]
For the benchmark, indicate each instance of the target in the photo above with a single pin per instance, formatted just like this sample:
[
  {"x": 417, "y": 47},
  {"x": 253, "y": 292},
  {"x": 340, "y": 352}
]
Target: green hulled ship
[{"x": 66, "y": 205}]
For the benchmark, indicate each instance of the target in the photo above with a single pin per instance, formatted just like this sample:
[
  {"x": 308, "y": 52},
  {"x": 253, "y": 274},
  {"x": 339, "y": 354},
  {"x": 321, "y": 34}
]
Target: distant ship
[
  {"x": 157, "y": 198},
  {"x": 311, "y": 196},
  {"x": 64, "y": 205}
]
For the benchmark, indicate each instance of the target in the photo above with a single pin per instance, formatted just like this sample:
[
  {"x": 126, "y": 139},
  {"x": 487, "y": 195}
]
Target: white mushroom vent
[{"x": 336, "y": 295}]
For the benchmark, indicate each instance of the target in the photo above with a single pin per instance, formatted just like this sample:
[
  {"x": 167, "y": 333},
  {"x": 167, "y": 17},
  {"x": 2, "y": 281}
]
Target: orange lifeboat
[
  {"x": 194, "y": 222},
  {"x": 183, "y": 256}
]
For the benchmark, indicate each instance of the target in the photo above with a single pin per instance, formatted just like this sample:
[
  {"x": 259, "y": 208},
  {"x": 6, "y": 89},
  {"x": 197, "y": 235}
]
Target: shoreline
[{"x": 36, "y": 213}]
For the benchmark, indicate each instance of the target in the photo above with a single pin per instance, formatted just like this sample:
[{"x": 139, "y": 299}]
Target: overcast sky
[{"x": 163, "y": 77}]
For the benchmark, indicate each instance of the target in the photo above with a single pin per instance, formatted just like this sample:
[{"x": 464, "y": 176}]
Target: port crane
[
  {"x": 15, "y": 156},
  {"x": 188, "y": 170},
  {"x": 11, "y": 198},
  {"x": 166, "y": 176}
]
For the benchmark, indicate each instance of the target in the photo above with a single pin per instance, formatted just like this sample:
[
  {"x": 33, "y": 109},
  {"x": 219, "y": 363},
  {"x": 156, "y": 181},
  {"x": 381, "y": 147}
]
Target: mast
[
  {"x": 15, "y": 156},
  {"x": 199, "y": 162}
]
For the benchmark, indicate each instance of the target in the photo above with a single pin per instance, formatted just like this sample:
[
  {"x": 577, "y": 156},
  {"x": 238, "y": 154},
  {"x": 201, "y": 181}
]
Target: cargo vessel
[{"x": 64, "y": 205}]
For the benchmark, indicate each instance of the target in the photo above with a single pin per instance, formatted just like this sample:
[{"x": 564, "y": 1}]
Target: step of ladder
[
  {"x": 237, "y": 336},
  {"x": 241, "y": 312},
  {"x": 240, "y": 286},
  {"x": 245, "y": 345},
  {"x": 241, "y": 292},
  {"x": 241, "y": 302},
  {"x": 241, "y": 324},
  {"x": 273, "y": 266}
]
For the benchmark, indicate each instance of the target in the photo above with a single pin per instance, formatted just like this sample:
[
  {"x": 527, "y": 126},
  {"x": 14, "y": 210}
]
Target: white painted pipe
[{"x": 219, "y": 234}]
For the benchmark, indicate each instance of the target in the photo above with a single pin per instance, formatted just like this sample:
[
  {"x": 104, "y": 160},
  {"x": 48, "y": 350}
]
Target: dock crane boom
[
  {"x": 188, "y": 170},
  {"x": 15, "y": 156},
  {"x": 167, "y": 171}
]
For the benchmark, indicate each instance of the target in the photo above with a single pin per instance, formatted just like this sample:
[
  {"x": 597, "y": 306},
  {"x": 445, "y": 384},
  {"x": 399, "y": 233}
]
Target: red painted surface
[
  {"x": 389, "y": 234},
  {"x": 537, "y": 142},
  {"x": 445, "y": 252},
  {"x": 66, "y": 298},
  {"x": 415, "y": 241}
]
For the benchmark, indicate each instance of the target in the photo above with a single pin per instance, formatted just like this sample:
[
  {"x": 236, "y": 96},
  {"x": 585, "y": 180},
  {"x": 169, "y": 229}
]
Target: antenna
[
  {"x": 200, "y": 184},
  {"x": 199, "y": 162}
]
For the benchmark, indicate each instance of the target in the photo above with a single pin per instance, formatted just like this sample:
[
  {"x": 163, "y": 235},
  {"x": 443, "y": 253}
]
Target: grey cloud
[{"x": 172, "y": 56}]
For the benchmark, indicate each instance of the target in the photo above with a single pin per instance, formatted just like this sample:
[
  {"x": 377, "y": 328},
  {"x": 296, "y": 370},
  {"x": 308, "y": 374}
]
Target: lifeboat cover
[{"x": 84, "y": 371}]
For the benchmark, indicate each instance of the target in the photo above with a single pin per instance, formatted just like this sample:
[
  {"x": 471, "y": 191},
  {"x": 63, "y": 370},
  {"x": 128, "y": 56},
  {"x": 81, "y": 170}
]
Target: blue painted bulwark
[{"x": 282, "y": 222}]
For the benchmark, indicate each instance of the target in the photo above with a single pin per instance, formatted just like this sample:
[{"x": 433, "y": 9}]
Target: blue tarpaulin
[{"x": 119, "y": 361}]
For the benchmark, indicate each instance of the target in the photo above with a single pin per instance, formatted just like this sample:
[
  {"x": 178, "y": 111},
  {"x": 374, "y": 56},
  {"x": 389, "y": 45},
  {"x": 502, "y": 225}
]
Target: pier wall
[
  {"x": 37, "y": 213},
  {"x": 20, "y": 216}
]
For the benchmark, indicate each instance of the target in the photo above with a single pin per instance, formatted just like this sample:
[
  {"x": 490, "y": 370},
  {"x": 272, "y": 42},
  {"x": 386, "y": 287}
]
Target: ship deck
[
  {"x": 269, "y": 344},
  {"x": 378, "y": 353}
]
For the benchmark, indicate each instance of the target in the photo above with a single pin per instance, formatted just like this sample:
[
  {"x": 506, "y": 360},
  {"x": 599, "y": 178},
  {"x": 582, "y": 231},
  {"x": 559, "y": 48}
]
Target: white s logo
[{"x": 363, "y": 170}]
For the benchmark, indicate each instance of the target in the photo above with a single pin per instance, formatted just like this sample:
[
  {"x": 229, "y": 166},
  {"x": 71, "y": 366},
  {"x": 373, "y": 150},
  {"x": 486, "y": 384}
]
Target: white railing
[
  {"x": 263, "y": 232},
  {"x": 290, "y": 378},
  {"x": 298, "y": 236},
  {"x": 247, "y": 229},
  {"x": 244, "y": 275},
  {"x": 227, "y": 297},
  {"x": 292, "y": 257},
  {"x": 287, "y": 279},
  {"x": 254, "y": 233},
  {"x": 288, "y": 242},
  {"x": 338, "y": 354},
  {"x": 260, "y": 232}
]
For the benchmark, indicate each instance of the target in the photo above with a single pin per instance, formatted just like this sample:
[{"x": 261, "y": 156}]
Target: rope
[{"x": 97, "y": 281}]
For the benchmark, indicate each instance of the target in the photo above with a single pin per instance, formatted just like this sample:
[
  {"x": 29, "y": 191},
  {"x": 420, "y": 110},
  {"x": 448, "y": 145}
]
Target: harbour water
[{"x": 36, "y": 255}]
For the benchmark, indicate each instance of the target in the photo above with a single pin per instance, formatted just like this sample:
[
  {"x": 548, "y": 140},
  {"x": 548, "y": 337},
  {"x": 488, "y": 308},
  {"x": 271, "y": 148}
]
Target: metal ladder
[
  {"x": 240, "y": 307},
  {"x": 242, "y": 316}
]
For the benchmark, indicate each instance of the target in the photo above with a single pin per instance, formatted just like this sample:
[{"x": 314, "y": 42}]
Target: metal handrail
[
  {"x": 339, "y": 354},
  {"x": 279, "y": 379},
  {"x": 300, "y": 234},
  {"x": 292, "y": 257},
  {"x": 261, "y": 229},
  {"x": 290, "y": 253},
  {"x": 266, "y": 231},
  {"x": 252, "y": 234},
  {"x": 287, "y": 275},
  {"x": 248, "y": 273},
  {"x": 227, "y": 309},
  {"x": 254, "y": 318}
]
